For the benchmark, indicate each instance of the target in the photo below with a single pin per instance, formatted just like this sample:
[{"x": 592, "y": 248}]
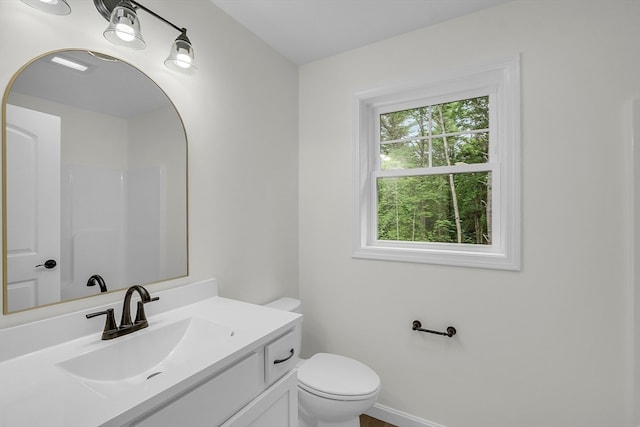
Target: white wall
[
  {"x": 240, "y": 114},
  {"x": 546, "y": 346}
]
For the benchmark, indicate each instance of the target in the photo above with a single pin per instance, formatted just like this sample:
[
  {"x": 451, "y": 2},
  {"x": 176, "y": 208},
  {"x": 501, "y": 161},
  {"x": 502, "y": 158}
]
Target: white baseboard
[{"x": 398, "y": 418}]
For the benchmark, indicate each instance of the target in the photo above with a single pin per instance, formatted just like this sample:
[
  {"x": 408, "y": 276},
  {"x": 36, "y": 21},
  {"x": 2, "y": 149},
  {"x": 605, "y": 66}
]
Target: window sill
[{"x": 470, "y": 256}]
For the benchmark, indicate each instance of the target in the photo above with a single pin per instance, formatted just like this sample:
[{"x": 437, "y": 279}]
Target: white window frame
[{"x": 499, "y": 80}]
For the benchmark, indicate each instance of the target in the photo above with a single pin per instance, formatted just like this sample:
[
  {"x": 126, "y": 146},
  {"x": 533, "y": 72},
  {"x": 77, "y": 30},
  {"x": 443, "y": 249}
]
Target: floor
[{"x": 367, "y": 421}]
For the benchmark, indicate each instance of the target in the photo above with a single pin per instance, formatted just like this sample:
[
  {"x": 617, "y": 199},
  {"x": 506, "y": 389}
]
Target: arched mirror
[{"x": 94, "y": 181}]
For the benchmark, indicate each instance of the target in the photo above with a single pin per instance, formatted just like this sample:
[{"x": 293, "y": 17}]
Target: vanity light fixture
[
  {"x": 181, "y": 54},
  {"x": 124, "y": 30},
  {"x": 55, "y": 7},
  {"x": 124, "y": 27}
]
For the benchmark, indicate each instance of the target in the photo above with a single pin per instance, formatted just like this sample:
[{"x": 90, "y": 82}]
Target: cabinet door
[
  {"x": 214, "y": 401},
  {"x": 277, "y": 406}
]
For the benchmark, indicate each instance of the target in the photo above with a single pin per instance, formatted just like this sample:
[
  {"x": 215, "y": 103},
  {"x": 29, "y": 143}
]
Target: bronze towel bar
[{"x": 417, "y": 326}]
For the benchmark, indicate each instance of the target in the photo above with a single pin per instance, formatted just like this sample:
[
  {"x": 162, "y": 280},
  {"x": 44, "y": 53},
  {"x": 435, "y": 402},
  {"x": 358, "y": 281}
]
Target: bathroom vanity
[
  {"x": 206, "y": 361},
  {"x": 202, "y": 360}
]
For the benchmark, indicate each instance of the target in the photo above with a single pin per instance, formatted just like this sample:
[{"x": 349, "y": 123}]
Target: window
[{"x": 436, "y": 171}]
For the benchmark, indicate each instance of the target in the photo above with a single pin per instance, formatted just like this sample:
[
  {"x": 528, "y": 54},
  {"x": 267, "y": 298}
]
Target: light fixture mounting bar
[
  {"x": 105, "y": 7},
  {"x": 151, "y": 12}
]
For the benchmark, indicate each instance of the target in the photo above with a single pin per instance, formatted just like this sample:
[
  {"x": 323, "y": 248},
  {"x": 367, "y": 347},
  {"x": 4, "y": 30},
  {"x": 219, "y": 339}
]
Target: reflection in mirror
[{"x": 95, "y": 183}]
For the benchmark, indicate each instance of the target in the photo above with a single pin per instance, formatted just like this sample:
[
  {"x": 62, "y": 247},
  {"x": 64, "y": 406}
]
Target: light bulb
[
  {"x": 125, "y": 32},
  {"x": 183, "y": 60}
]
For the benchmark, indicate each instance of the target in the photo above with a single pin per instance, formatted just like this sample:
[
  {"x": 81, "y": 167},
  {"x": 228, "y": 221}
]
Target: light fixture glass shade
[
  {"x": 124, "y": 27},
  {"x": 55, "y": 7},
  {"x": 181, "y": 57}
]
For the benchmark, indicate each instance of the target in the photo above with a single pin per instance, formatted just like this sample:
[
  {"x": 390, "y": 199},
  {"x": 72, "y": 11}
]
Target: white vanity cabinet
[
  {"x": 258, "y": 390},
  {"x": 204, "y": 360}
]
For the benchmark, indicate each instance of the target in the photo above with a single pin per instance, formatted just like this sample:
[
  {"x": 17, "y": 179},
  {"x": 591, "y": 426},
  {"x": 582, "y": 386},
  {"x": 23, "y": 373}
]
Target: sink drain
[{"x": 154, "y": 374}]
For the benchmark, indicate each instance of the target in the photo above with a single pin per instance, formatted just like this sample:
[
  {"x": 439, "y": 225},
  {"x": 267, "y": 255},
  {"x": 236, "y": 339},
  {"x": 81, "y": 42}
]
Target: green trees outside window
[{"x": 421, "y": 203}]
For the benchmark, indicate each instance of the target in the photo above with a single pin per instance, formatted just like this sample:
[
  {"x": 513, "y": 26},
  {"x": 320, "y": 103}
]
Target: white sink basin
[{"x": 135, "y": 358}]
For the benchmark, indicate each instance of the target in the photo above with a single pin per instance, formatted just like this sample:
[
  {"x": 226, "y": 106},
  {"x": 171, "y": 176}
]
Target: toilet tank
[{"x": 286, "y": 304}]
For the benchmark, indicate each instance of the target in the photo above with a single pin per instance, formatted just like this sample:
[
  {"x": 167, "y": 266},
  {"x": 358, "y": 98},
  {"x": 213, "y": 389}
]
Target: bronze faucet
[
  {"x": 97, "y": 279},
  {"x": 111, "y": 330}
]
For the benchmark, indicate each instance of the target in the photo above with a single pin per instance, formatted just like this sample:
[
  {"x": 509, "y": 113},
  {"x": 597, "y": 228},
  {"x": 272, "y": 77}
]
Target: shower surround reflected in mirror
[{"x": 95, "y": 180}]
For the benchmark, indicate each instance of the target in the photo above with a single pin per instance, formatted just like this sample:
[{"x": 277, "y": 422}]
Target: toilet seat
[
  {"x": 340, "y": 397},
  {"x": 337, "y": 377}
]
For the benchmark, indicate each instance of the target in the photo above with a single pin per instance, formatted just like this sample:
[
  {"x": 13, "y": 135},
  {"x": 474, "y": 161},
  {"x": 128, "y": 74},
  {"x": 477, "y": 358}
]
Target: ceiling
[
  {"x": 301, "y": 30},
  {"x": 306, "y": 30}
]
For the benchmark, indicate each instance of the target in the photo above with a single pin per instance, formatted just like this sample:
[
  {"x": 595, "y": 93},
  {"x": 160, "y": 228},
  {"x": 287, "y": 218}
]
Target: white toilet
[{"x": 333, "y": 390}]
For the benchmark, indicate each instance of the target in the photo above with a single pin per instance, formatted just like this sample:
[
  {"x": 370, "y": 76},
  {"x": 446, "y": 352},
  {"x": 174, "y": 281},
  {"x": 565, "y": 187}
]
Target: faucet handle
[
  {"x": 109, "y": 325},
  {"x": 140, "y": 315}
]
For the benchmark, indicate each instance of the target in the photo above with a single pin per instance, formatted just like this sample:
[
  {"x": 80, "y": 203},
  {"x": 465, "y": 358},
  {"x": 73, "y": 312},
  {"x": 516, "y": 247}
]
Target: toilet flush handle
[{"x": 291, "y": 353}]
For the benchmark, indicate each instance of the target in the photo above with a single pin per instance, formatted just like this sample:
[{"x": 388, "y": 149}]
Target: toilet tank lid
[{"x": 286, "y": 304}]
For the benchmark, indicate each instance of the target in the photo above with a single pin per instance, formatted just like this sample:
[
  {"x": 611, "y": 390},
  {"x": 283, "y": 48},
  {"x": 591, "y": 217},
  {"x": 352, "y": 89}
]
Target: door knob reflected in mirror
[{"x": 48, "y": 264}]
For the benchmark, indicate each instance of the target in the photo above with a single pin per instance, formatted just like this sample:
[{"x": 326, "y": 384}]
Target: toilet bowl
[{"x": 333, "y": 390}]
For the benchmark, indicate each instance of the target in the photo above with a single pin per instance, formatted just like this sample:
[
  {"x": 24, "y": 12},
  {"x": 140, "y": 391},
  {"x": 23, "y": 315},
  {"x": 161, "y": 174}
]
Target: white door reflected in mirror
[{"x": 33, "y": 208}]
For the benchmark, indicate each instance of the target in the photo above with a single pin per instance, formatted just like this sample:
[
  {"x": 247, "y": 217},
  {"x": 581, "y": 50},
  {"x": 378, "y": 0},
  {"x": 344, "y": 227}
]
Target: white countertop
[{"x": 35, "y": 391}]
